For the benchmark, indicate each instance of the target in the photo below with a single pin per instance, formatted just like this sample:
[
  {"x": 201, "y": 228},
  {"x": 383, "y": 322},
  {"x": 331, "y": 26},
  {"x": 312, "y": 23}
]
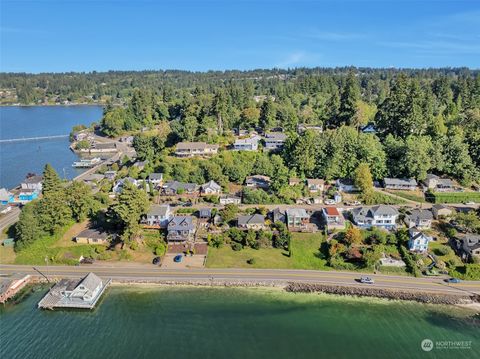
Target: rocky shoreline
[{"x": 383, "y": 293}]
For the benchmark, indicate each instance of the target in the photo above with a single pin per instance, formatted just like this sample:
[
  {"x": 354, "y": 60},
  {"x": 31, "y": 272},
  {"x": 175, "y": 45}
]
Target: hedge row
[{"x": 452, "y": 197}]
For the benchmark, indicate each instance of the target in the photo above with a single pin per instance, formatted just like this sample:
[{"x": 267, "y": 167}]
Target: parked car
[
  {"x": 453, "y": 280},
  {"x": 178, "y": 258},
  {"x": 87, "y": 260},
  {"x": 329, "y": 201},
  {"x": 366, "y": 280},
  {"x": 156, "y": 261}
]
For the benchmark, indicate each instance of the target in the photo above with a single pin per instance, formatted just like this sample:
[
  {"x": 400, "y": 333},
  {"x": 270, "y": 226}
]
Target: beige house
[
  {"x": 190, "y": 149},
  {"x": 93, "y": 236},
  {"x": 441, "y": 211},
  {"x": 315, "y": 185}
]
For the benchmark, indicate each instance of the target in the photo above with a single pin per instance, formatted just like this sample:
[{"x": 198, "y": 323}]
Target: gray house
[
  {"x": 406, "y": 184},
  {"x": 180, "y": 229},
  {"x": 437, "y": 184},
  {"x": 468, "y": 246},
  {"x": 155, "y": 179},
  {"x": 211, "y": 188},
  {"x": 420, "y": 218},
  {"x": 278, "y": 215},
  {"x": 173, "y": 188},
  {"x": 254, "y": 221}
]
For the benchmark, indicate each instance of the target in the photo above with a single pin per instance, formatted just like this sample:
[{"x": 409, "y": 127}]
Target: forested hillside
[{"x": 426, "y": 120}]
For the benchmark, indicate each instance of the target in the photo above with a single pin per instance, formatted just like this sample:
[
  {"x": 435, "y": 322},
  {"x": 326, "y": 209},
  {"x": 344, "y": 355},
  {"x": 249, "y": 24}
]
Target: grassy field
[
  {"x": 305, "y": 248},
  {"x": 411, "y": 195},
  {"x": 436, "y": 246}
]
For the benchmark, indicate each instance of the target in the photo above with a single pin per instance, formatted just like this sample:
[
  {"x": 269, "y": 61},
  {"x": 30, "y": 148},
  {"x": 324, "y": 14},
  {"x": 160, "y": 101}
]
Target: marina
[{"x": 87, "y": 163}]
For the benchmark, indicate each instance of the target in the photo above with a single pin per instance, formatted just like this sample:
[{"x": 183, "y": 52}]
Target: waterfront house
[
  {"x": 74, "y": 293},
  {"x": 278, "y": 215},
  {"x": 27, "y": 195},
  {"x": 437, "y": 184},
  {"x": 155, "y": 179},
  {"x": 211, "y": 188},
  {"x": 190, "y": 149},
  {"x": 274, "y": 141},
  {"x": 418, "y": 240},
  {"x": 258, "y": 181},
  {"x": 297, "y": 219},
  {"x": 345, "y": 185},
  {"x": 5, "y": 196},
  {"x": 468, "y": 246},
  {"x": 315, "y": 185},
  {"x": 82, "y": 135},
  {"x": 405, "y": 184},
  {"x": 441, "y": 211},
  {"x": 246, "y": 144},
  {"x": 158, "y": 216},
  {"x": 420, "y": 218},
  {"x": 252, "y": 221},
  {"x": 230, "y": 200},
  {"x": 118, "y": 187},
  {"x": 33, "y": 182},
  {"x": 333, "y": 218},
  {"x": 173, "y": 188},
  {"x": 93, "y": 236},
  {"x": 382, "y": 216},
  {"x": 10, "y": 286},
  {"x": 180, "y": 229}
]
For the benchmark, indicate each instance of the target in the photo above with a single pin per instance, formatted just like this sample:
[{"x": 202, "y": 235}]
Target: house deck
[{"x": 55, "y": 299}]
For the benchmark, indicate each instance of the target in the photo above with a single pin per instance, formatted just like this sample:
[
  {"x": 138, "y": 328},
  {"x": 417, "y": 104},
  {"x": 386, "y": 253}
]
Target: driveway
[{"x": 195, "y": 261}]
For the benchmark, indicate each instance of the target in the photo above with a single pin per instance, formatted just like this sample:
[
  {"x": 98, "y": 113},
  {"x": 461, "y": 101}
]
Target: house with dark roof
[
  {"x": 173, "y": 188},
  {"x": 468, "y": 246},
  {"x": 93, "y": 236},
  {"x": 253, "y": 221},
  {"x": 180, "y": 229},
  {"x": 190, "y": 149},
  {"x": 378, "y": 216},
  {"x": 405, "y": 184},
  {"x": 369, "y": 128},
  {"x": 205, "y": 213},
  {"x": 278, "y": 215},
  {"x": 345, "y": 185},
  {"x": 158, "y": 216},
  {"x": 418, "y": 240},
  {"x": 420, "y": 218}
]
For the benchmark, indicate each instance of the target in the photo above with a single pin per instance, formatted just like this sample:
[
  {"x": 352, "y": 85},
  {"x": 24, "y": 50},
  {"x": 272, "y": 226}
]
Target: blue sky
[{"x": 57, "y": 36}]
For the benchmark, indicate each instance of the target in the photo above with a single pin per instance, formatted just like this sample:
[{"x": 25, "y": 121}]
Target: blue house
[
  {"x": 418, "y": 241},
  {"x": 5, "y": 196},
  {"x": 27, "y": 196}
]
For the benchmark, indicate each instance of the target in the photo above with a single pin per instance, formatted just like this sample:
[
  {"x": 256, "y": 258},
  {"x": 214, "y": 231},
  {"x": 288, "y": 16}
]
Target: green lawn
[
  {"x": 305, "y": 248},
  {"x": 44, "y": 247},
  {"x": 434, "y": 246},
  {"x": 412, "y": 196}
]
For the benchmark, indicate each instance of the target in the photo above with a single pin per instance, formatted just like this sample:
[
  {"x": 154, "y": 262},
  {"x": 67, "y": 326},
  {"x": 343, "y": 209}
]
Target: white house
[
  {"x": 32, "y": 182},
  {"x": 418, "y": 241},
  {"x": 158, "y": 216},
  {"x": 378, "y": 216},
  {"x": 118, "y": 187},
  {"x": 345, "y": 185},
  {"x": 247, "y": 144},
  {"x": 211, "y": 188},
  {"x": 155, "y": 179},
  {"x": 230, "y": 200}
]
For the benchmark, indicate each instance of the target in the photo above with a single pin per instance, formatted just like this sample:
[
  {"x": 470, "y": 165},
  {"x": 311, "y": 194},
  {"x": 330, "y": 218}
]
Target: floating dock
[{"x": 81, "y": 293}]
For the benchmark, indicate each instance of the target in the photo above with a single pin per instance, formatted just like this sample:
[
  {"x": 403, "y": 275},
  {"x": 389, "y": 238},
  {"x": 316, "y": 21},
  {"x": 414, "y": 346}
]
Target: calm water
[
  {"x": 232, "y": 323},
  {"x": 19, "y": 158}
]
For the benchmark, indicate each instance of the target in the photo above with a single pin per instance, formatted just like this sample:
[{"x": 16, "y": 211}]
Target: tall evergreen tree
[
  {"x": 51, "y": 181},
  {"x": 348, "y": 100}
]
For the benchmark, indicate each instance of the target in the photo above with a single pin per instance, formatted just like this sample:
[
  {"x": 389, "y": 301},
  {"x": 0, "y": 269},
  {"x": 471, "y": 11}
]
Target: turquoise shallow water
[{"x": 232, "y": 323}]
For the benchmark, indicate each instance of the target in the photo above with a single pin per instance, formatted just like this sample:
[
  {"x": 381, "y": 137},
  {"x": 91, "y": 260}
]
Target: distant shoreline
[{"x": 53, "y": 105}]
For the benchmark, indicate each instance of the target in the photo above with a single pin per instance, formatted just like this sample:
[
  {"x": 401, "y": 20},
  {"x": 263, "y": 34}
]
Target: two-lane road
[{"x": 280, "y": 276}]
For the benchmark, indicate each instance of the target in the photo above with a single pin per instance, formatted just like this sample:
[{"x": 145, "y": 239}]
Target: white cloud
[{"x": 297, "y": 58}]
